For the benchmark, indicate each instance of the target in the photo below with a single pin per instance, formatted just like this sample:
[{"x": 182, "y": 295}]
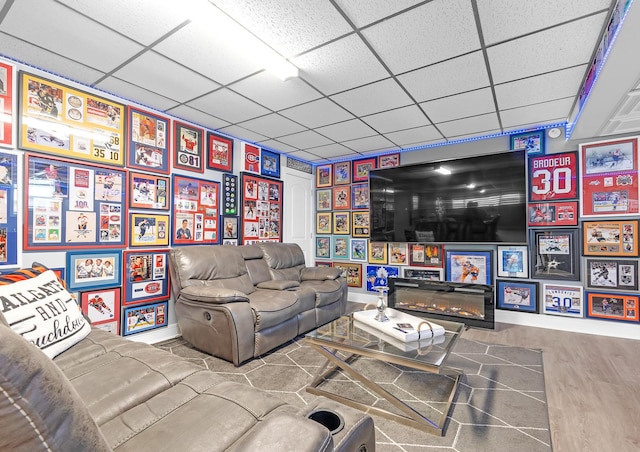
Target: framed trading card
[
  {"x": 513, "y": 261},
  {"x": 148, "y": 144},
  {"x": 93, "y": 269},
  {"x": 469, "y": 267},
  {"x": 360, "y": 226},
  {"x": 137, "y": 319},
  {"x": 323, "y": 223},
  {"x": 323, "y": 247},
  {"x": 10, "y": 214},
  {"x": 564, "y": 213},
  {"x": 517, "y": 295},
  {"x": 340, "y": 247},
  {"x": 145, "y": 276},
  {"x": 220, "y": 152},
  {"x": 555, "y": 254},
  {"x": 229, "y": 227},
  {"x": 250, "y": 158},
  {"x": 609, "y": 184},
  {"x": 610, "y": 238},
  {"x": 342, "y": 173},
  {"x": 351, "y": 272},
  {"x": 360, "y": 196},
  {"x": 195, "y": 211},
  {"x": 531, "y": 142},
  {"x": 342, "y": 198},
  {"x": 270, "y": 164},
  {"x": 148, "y": 191},
  {"x": 230, "y": 194},
  {"x": 398, "y": 253},
  {"x": 378, "y": 276},
  {"x": 389, "y": 160},
  {"x": 6, "y": 104},
  {"x": 342, "y": 223},
  {"x": 101, "y": 306},
  {"x": 613, "y": 306},
  {"x": 149, "y": 229},
  {"x": 323, "y": 199},
  {"x": 378, "y": 253},
  {"x": 361, "y": 169},
  {"x": 68, "y": 122},
  {"x": 189, "y": 147},
  {"x": 261, "y": 203},
  {"x": 425, "y": 255},
  {"x": 323, "y": 264},
  {"x": 358, "y": 250},
  {"x": 553, "y": 177},
  {"x": 324, "y": 175},
  {"x": 611, "y": 274},
  {"x": 562, "y": 300},
  {"x": 429, "y": 274}
]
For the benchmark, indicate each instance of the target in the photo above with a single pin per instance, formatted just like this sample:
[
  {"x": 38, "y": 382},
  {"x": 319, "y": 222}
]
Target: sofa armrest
[
  {"x": 278, "y": 284},
  {"x": 319, "y": 273},
  {"x": 208, "y": 294}
]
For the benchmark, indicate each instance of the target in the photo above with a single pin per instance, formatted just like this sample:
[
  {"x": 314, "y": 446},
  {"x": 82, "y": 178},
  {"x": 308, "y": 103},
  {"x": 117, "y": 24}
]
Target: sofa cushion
[
  {"x": 41, "y": 310},
  {"x": 210, "y": 294},
  {"x": 319, "y": 273},
  {"x": 272, "y": 307},
  {"x": 282, "y": 284}
]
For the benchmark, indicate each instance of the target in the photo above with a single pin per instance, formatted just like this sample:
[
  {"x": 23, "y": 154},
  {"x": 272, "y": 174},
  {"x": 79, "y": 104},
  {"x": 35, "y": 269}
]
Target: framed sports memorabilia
[
  {"x": 361, "y": 169},
  {"x": 517, "y": 296},
  {"x": 342, "y": 223},
  {"x": 324, "y": 175},
  {"x": 531, "y": 142},
  {"x": 323, "y": 247},
  {"x": 189, "y": 147},
  {"x": 229, "y": 227},
  {"x": 148, "y": 191},
  {"x": 270, "y": 164},
  {"x": 378, "y": 253},
  {"x": 342, "y": 198},
  {"x": 323, "y": 223},
  {"x": 553, "y": 177},
  {"x": 360, "y": 223},
  {"x": 72, "y": 205},
  {"x": 101, "y": 306},
  {"x": 611, "y": 274},
  {"x": 358, "y": 250},
  {"x": 323, "y": 199},
  {"x": 195, "y": 211},
  {"x": 469, "y": 267},
  {"x": 10, "y": 214},
  {"x": 613, "y": 306},
  {"x": 360, "y": 196},
  {"x": 57, "y": 119},
  {"x": 513, "y": 261},
  {"x": 6, "y": 104},
  {"x": 149, "y": 229},
  {"x": 562, "y": 213},
  {"x": 145, "y": 276},
  {"x": 351, "y": 272},
  {"x": 340, "y": 247},
  {"x": 342, "y": 173},
  {"x": 261, "y": 208},
  {"x": 137, "y": 319},
  {"x": 389, "y": 160},
  {"x": 230, "y": 194},
  {"x": 555, "y": 254},
  {"x": 425, "y": 255},
  {"x": 610, "y": 238},
  {"x": 609, "y": 184},
  {"x": 429, "y": 274},
  {"x": 398, "y": 253},
  {"x": 250, "y": 158},
  {"x": 562, "y": 300},
  {"x": 378, "y": 276},
  {"x": 148, "y": 144},
  {"x": 93, "y": 269},
  {"x": 220, "y": 152},
  {"x": 323, "y": 264}
]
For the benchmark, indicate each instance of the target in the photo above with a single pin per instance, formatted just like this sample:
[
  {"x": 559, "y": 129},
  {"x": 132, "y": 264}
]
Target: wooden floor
[{"x": 592, "y": 384}]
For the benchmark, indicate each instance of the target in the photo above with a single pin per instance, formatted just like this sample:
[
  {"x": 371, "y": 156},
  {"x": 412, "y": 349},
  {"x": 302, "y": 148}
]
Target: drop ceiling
[{"x": 375, "y": 75}]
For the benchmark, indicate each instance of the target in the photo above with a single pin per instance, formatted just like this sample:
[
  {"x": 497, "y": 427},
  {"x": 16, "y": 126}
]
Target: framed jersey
[{"x": 553, "y": 177}]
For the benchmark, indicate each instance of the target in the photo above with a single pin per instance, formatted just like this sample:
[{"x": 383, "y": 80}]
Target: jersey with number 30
[{"x": 553, "y": 177}]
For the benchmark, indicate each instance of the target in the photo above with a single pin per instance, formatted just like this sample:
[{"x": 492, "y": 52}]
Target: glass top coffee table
[{"x": 345, "y": 339}]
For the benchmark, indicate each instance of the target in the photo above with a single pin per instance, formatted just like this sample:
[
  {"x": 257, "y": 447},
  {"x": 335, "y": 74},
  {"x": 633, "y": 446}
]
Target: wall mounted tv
[{"x": 472, "y": 200}]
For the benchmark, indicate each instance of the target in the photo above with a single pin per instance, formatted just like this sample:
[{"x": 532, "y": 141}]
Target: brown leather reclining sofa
[{"x": 239, "y": 302}]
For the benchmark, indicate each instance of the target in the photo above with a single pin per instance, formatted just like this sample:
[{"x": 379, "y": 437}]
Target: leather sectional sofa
[{"x": 239, "y": 302}]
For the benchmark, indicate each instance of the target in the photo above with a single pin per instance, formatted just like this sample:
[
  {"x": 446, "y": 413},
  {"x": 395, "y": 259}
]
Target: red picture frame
[
  {"x": 341, "y": 173},
  {"x": 342, "y": 198},
  {"x": 148, "y": 147},
  {"x": 188, "y": 147},
  {"x": 7, "y": 72},
  {"x": 145, "y": 276},
  {"x": 250, "y": 158},
  {"x": 261, "y": 211},
  {"x": 389, "y": 160},
  {"x": 361, "y": 169},
  {"x": 196, "y": 210},
  {"x": 102, "y": 306},
  {"x": 149, "y": 191},
  {"x": 219, "y": 152},
  {"x": 562, "y": 213}
]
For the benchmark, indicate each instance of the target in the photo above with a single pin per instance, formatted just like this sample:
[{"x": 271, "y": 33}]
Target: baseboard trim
[{"x": 161, "y": 334}]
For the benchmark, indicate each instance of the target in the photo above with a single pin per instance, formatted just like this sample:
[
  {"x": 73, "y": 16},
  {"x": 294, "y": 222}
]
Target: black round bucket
[{"x": 330, "y": 419}]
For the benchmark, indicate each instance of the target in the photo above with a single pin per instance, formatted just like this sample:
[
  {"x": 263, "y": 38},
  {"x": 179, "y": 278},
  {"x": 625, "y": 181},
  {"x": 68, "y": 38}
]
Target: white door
[{"x": 299, "y": 221}]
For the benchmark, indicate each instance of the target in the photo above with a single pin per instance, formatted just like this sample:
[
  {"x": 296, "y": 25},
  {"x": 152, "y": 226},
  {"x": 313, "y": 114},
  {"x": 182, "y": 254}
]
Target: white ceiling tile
[
  {"x": 273, "y": 93},
  {"x": 340, "y": 65},
  {"x": 197, "y": 117},
  {"x": 304, "y": 155},
  {"x": 306, "y": 139},
  {"x": 40, "y": 58},
  {"x": 331, "y": 150},
  {"x": 364, "y": 12},
  {"x": 462, "y": 105},
  {"x": 543, "y": 113},
  {"x": 93, "y": 44},
  {"x": 461, "y": 74},
  {"x": 375, "y": 143},
  {"x": 560, "y": 47},
  {"x": 135, "y": 94},
  {"x": 506, "y": 19},
  {"x": 227, "y": 105},
  {"x": 242, "y": 134},
  {"x": 163, "y": 76},
  {"x": 469, "y": 126},
  {"x": 399, "y": 119},
  {"x": 436, "y": 31},
  {"x": 415, "y": 135},
  {"x": 347, "y": 130},
  {"x": 286, "y": 26},
  {"x": 277, "y": 145},
  {"x": 541, "y": 88},
  {"x": 272, "y": 125},
  {"x": 144, "y": 20},
  {"x": 317, "y": 113},
  {"x": 373, "y": 98}
]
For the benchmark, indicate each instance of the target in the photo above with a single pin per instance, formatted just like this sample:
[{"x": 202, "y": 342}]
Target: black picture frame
[{"x": 555, "y": 254}]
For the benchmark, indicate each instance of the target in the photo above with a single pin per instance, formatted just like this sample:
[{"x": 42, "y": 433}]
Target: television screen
[{"x": 473, "y": 200}]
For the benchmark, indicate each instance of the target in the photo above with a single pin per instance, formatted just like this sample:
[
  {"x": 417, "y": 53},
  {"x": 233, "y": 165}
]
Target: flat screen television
[{"x": 472, "y": 200}]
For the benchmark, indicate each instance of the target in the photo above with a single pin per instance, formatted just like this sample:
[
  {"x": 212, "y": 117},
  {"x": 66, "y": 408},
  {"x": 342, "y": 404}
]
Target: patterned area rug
[{"x": 500, "y": 404}]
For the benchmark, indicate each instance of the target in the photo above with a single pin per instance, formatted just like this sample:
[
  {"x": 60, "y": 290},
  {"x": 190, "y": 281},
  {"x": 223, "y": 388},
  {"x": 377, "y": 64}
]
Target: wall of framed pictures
[{"x": 261, "y": 209}]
